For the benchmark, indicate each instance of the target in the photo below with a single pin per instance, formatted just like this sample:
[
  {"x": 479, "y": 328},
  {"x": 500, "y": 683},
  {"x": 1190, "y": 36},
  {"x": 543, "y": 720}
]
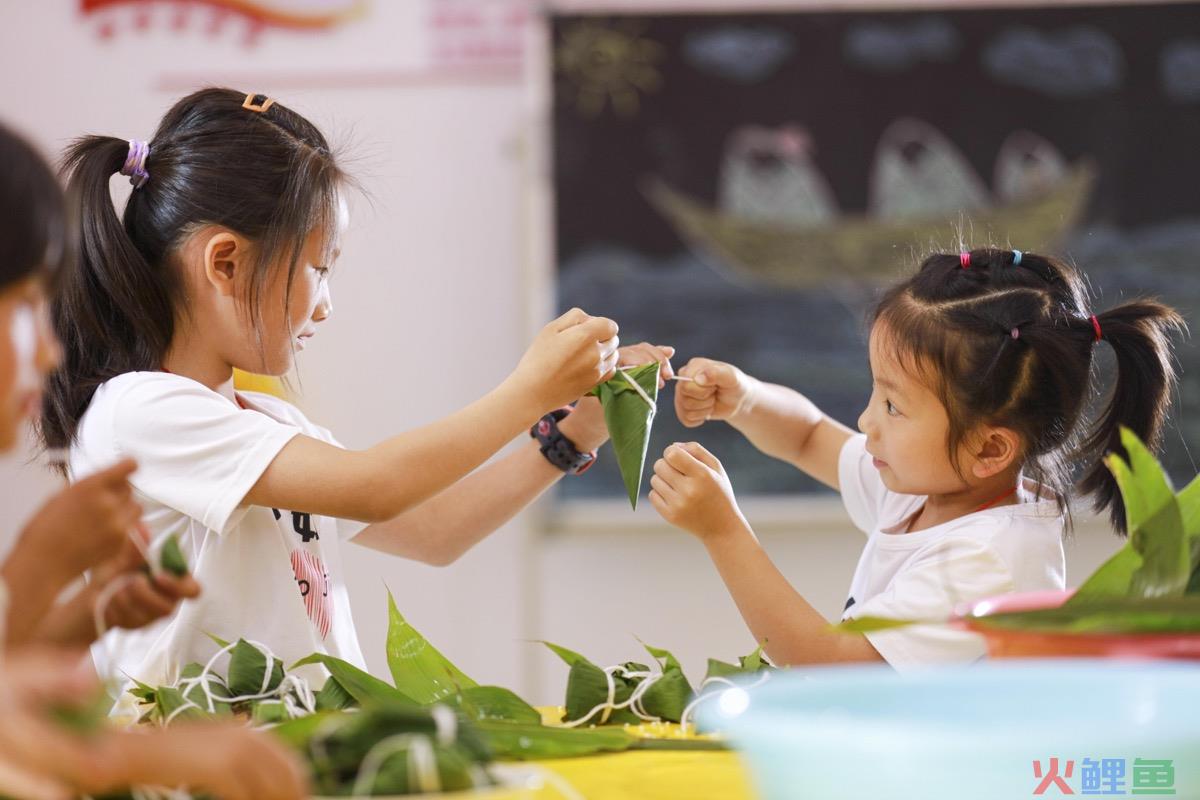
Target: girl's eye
[{"x": 891, "y": 409}]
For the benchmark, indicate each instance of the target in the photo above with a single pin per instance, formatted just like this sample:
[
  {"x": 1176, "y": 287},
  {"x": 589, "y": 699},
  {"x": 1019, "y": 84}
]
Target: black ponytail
[
  {"x": 1140, "y": 335},
  {"x": 267, "y": 175}
]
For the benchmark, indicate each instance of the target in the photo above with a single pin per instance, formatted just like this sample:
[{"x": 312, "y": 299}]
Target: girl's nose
[
  {"x": 864, "y": 420},
  {"x": 324, "y": 305}
]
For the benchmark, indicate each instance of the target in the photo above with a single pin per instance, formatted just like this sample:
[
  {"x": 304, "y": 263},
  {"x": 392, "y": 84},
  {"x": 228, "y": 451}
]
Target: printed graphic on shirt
[
  {"x": 301, "y": 524},
  {"x": 313, "y": 580}
]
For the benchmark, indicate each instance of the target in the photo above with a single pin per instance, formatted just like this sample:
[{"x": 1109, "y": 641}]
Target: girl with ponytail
[
  {"x": 219, "y": 261},
  {"x": 976, "y": 432}
]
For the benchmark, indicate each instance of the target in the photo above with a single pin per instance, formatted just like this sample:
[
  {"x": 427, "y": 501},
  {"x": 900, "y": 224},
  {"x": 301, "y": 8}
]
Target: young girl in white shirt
[
  {"x": 219, "y": 262},
  {"x": 982, "y": 363}
]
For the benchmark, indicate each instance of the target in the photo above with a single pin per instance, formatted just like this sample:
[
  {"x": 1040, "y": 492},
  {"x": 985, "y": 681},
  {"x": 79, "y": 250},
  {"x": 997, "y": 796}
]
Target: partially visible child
[
  {"x": 85, "y": 527},
  {"x": 982, "y": 363}
]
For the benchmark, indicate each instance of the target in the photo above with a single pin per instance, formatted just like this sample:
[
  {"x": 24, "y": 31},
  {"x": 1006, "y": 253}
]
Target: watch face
[{"x": 543, "y": 428}]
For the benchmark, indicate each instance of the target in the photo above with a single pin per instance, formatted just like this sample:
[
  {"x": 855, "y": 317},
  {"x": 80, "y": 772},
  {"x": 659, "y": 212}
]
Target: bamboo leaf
[
  {"x": 587, "y": 687},
  {"x": 248, "y": 668},
  {"x": 171, "y": 699},
  {"x": 334, "y": 697},
  {"x": 364, "y": 687},
  {"x": 569, "y": 656},
  {"x": 497, "y": 703},
  {"x": 1166, "y": 560},
  {"x": 870, "y": 624},
  {"x": 418, "y": 669},
  {"x": 1113, "y": 615},
  {"x": 629, "y": 419},
  {"x": 666, "y": 659},
  {"x": 668, "y": 696},
  {"x": 171, "y": 557},
  {"x": 523, "y": 742}
]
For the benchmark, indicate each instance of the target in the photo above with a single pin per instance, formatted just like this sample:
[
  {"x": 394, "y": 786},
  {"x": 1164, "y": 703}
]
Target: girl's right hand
[
  {"x": 227, "y": 760},
  {"x": 570, "y": 356},
  {"x": 87, "y": 523},
  {"x": 716, "y": 391}
]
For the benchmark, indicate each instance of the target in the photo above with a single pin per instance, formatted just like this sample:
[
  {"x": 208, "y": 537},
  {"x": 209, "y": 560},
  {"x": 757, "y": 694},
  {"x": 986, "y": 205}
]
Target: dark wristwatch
[{"x": 558, "y": 449}]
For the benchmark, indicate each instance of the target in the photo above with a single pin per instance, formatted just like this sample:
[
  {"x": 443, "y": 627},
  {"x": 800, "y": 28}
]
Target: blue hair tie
[{"x": 1016, "y": 257}]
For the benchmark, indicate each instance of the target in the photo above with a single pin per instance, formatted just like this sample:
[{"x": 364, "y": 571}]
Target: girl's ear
[
  {"x": 994, "y": 451},
  {"x": 224, "y": 253}
]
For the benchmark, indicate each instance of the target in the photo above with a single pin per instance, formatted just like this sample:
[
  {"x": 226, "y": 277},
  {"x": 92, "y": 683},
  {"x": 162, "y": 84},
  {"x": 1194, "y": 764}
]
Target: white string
[
  {"x": 422, "y": 764},
  {"x": 653, "y": 406},
  {"x": 293, "y": 692},
  {"x": 633, "y": 702},
  {"x": 701, "y": 696}
]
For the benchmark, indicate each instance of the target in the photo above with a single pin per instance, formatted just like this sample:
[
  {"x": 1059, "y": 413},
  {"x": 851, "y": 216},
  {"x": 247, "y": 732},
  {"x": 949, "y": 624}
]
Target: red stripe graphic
[{"x": 314, "y": 588}]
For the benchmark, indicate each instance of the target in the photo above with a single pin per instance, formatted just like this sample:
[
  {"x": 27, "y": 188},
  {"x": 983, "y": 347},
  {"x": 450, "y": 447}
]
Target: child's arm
[
  {"x": 449, "y": 524},
  {"x": 779, "y": 421},
  {"x": 569, "y": 357},
  {"x": 691, "y": 491}
]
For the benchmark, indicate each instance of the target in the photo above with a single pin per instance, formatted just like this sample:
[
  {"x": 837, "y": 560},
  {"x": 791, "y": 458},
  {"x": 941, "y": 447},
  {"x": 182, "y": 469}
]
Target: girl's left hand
[
  {"x": 690, "y": 490},
  {"x": 143, "y": 598},
  {"x": 585, "y": 427}
]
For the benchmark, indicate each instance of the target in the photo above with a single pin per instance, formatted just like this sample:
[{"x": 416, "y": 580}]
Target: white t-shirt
[
  {"x": 927, "y": 574},
  {"x": 269, "y": 575}
]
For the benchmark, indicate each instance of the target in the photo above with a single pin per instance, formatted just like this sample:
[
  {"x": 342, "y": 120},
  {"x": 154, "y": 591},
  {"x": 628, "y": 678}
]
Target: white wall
[{"x": 434, "y": 283}]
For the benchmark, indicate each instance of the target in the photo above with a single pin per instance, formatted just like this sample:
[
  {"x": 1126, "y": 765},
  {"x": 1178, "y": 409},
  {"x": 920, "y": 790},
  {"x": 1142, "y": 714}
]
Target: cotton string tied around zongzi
[
  {"x": 633, "y": 702},
  {"x": 293, "y": 691}
]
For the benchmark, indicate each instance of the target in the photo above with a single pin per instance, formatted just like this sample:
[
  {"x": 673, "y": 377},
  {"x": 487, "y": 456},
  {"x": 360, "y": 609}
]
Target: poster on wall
[{"x": 740, "y": 186}]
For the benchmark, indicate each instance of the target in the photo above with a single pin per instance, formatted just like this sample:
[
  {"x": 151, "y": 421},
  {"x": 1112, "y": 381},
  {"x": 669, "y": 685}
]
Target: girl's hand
[
  {"x": 227, "y": 760},
  {"x": 717, "y": 391},
  {"x": 586, "y": 427},
  {"x": 40, "y": 759},
  {"x": 690, "y": 490},
  {"x": 142, "y": 598},
  {"x": 570, "y": 356},
  {"x": 84, "y": 524}
]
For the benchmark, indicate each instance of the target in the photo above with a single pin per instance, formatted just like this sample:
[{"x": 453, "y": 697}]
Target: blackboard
[{"x": 741, "y": 186}]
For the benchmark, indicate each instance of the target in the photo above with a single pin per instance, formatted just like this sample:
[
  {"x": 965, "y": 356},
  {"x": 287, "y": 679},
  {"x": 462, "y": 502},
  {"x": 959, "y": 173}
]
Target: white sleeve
[
  {"x": 951, "y": 572},
  {"x": 859, "y": 483},
  {"x": 196, "y": 451}
]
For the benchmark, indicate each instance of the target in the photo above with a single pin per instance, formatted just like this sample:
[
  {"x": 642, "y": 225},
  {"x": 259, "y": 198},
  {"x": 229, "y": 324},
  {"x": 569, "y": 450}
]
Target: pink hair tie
[
  {"x": 964, "y": 259},
  {"x": 1096, "y": 327},
  {"x": 1016, "y": 334}
]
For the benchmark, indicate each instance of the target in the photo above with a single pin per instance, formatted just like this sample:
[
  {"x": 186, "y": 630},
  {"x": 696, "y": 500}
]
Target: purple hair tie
[{"x": 135, "y": 163}]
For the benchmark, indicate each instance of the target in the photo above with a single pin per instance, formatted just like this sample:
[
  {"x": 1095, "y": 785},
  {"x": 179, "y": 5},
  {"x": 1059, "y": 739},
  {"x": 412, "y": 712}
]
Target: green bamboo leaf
[
  {"x": 569, "y": 656},
  {"x": 587, "y": 687},
  {"x": 870, "y": 624},
  {"x": 171, "y": 557},
  {"x": 1166, "y": 560},
  {"x": 1112, "y": 578},
  {"x": 1112, "y": 615},
  {"x": 629, "y": 419},
  {"x": 364, "y": 687},
  {"x": 668, "y": 696},
  {"x": 722, "y": 669},
  {"x": 419, "y": 670},
  {"x": 216, "y": 688},
  {"x": 221, "y": 643},
  {"x": 334, "y": 697},
  {"x": 755, "y": 661},
  {"x": 171, "y": 699},
  {"x": 666, "y": 659},
  {"x": 1189, "y": 508},
  {"x": 1144, "y": 484},
  {"x": 497, "y": 703},
  {"x": 512, "y": 741},
  {"x": 247, "y": 670}
]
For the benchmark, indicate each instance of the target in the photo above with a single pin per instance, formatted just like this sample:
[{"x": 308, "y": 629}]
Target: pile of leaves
[
  {"x": 633, "y": 693},
  {"x": 432, "y": 726}
]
